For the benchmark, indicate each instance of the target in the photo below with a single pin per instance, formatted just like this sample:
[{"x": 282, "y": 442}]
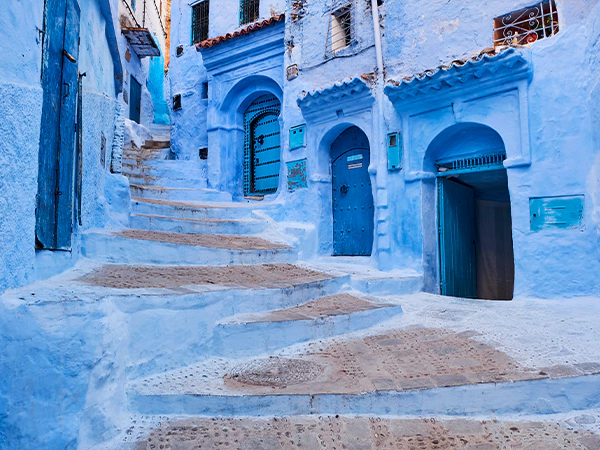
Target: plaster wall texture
[
  {"x": 558, "y": 107},
  {"x": 546, "y": 124},
  {"x": 22, "y": 100}
]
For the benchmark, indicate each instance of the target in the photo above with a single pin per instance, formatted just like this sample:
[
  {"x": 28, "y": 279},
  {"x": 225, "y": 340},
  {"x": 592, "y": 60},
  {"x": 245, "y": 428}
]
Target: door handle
[
  {"x": 69, "y": 56},
  {"x": 344, "y": 189}
]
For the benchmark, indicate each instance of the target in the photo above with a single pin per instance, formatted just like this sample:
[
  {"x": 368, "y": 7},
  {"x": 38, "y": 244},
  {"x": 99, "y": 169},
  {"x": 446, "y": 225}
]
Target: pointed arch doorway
[{"x": 262, "y": 146}]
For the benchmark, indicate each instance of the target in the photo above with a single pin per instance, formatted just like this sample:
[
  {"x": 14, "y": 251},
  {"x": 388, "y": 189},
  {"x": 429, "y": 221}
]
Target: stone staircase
[{"x": 223, "y": 320}]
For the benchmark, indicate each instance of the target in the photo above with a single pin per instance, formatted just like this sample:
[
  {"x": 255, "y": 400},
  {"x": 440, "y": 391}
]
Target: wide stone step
[
  {"x": 184, "y": 225},
  {"x": 169, "y": 182},
  {"x": 152, "y": 144},
  {"x": 151, "y": 247},
  {"x": 177, "y": 194},
  {"x": 413, "y": 371},
  {"x": 324, "y": 317},
  {"x": 165, "y": 168},
  {"x": 183, "y": 304},
  {"x": 362, "y": 433},
  {"x": 192, "y": 210}
]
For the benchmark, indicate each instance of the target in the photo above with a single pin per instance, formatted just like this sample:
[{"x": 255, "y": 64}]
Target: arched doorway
[
  {"x": 352, "y": 199},
  {"x": 262, "y": 153},
  {"x": 474, "y": 213}
]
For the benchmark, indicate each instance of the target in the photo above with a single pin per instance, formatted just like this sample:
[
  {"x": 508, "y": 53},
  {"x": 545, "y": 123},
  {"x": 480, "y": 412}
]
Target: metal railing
[{"x": 527, "y": 25}]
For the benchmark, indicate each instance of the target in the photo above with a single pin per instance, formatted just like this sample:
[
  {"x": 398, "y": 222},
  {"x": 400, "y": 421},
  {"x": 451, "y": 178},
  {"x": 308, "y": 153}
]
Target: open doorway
[{"x": 475, "y": 232}]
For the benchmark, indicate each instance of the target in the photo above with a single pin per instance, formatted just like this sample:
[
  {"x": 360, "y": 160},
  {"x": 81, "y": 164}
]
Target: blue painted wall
[{"x": 554, "y": 118}]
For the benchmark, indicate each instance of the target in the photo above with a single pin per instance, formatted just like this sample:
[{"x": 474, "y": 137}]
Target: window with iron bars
[
  {"x": 341, "y": 28},
  {"x": 527, "y": 25},
  {"x": 200, "y": 13},
  {"x": 249, "y": 11}
]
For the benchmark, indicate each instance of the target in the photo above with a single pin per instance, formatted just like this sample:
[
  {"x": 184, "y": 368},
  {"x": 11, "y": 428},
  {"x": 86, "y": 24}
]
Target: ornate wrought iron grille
[
  {"x": 472, "y": 163},
  {"x": 200, "y": 14},
  {"x": 528, "y": 25},
  {"x": 341, "y": 28},
  {"x": 249, "y": 11}
]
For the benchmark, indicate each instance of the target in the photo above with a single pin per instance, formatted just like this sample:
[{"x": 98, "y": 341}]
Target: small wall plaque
[
  {"x": 394, "y": 143},
  {"x": 565, "y": 213},
  {"x": 296, "y": 175},
  {"x": 297, "y": 137}
]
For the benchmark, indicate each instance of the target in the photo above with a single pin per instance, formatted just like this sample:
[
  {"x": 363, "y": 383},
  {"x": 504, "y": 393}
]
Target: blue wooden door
[
  {"x": 135, "y": 100},
  {"x": 54, "y": 209},
  {"x": 458, "y": 266},
  {"x": 265, "y": 153},
  {"x": 262, "y": 149},
  {"x": 352, "y": 202}
]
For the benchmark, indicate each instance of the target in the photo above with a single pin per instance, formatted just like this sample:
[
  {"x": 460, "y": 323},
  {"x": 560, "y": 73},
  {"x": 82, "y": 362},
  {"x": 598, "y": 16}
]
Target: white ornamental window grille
[
  {"x": 341, "y": 28},
  {"x": 527, "y": 25}
]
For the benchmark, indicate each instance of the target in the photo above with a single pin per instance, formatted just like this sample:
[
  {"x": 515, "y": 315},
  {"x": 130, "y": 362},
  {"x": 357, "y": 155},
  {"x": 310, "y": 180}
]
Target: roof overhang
[
  {"x": 488, "y": 68},
  {"x": 141, "y": 41},
  {"x": 349, "y": 96}
]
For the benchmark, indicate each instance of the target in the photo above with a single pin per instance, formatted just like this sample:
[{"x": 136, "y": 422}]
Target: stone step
[
  {"x": 168, "y": 182},
  {"x": 411, "y": 371},
  {"x": 361, "y": 433},
  {"x": 193, "y": 226},
  {"x": 177, "y": 194},
  {"x": 324, "y": 317},
  {"x": 183, "y": 304},
  {"x": 151, "y": 247},
  {"x": 166, "y": 168},
  {"x": 192, "y": 210},
  {"x": 152, "y": 144},
  {"x": 549, "y": 396}
]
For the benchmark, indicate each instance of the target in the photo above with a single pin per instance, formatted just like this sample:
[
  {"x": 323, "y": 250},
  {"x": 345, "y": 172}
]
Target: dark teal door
[
  {"x": 262, "y": 149},
  {"x": 458, "y": 266},
  {"x": 135, "y": 100},
  {"x": 352, "y": 203},
  {"x": 54, "y": 207}
]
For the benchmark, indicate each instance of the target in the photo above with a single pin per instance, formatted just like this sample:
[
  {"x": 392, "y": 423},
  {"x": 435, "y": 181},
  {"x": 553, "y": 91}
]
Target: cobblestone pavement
[
  {"x": 263, "y": 276},
  {"x": 231, "y": 242},
  {"x": 332, "y": 305},
  {"x": 364, "y": 433}
]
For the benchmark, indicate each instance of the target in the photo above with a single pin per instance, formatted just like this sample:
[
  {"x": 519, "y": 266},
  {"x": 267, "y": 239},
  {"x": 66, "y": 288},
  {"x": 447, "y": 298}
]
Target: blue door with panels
[
  {"x": 352, "y": 202},
  {"x": 135, "y": 100},
  {"x": 56, "y": 168},
  {"x": 262, "y": 146},
  {"x": 458, "y": 265}
]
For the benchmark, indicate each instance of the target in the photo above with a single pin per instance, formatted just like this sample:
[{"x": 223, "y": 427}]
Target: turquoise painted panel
[
  {"x": 297, "y": 175},
  {"x": 352, "y": 202},
  {"x": 395, "y": 150},
  {"x": 297, "y": 137},
  {"x": 564, "y": 213},
  {"x": 458, "y": 265}
]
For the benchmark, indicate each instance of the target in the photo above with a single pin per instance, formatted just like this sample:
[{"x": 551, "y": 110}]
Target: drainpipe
[
  {"x": 376, "y": 30},
  {"x": 382, "y": 215}
]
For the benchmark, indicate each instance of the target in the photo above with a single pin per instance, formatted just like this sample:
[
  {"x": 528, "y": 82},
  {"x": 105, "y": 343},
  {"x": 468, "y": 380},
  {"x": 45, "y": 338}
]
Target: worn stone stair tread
[
  {"x": 195, "y": 204},
  {"x": 200, "y": 221},
  {"x": 351, "y": 432},
  {"x": 320, "y": 308},
  {"x": 256, "y": 277},
  {"x": 163, "y": 188},
  {"x": 224, "y": 241}
]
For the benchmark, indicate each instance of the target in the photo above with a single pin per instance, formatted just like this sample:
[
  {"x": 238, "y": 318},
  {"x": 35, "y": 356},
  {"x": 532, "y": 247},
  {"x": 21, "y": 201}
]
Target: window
[
  {"x": 526, "y": 26},
  {"x": 249, "y": 11},
  {"x": 176, "y": 102},
  {"x": 341, "y": 28},
  {"x": 204, "y": 91},
  {"x": 200, "y": 21}
]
